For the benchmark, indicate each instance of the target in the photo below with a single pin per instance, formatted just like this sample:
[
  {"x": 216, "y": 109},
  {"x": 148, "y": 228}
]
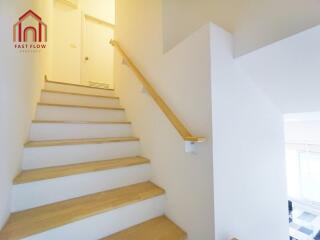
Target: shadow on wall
[{"x": 21, "y": 80}]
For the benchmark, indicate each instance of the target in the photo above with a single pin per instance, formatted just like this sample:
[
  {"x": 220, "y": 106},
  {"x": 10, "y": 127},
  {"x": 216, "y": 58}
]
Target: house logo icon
[{"x": 30, "y": 31}]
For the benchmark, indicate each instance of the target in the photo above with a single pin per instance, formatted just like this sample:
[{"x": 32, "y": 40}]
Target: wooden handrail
[{"x": 183, "y": 131}]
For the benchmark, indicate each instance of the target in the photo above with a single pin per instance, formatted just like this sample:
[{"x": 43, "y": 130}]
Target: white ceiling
[
  {"x": 254, "y": 23},
  {"x": 288, "y": 71}
]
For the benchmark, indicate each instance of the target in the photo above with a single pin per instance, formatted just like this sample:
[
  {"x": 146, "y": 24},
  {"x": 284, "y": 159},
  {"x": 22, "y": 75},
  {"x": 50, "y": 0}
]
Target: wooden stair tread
[
  {"x": 80, "y": 122},
  {"x": 160, "y": 228},
  {"x": 79, "y": 106},
  {"x": 79, "y": 141},
  {"x": 74, "y": 169},
  {"x": 27, "y": 223},
  {"x": 78, "y": 94},
  {"x": 78, "y": 85}
]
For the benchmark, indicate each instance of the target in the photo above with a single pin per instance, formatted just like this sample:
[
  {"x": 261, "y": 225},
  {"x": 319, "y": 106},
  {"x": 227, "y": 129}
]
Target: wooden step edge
[
  {"x": 79, "y": 106},
  {"x": 42, "y": 219},
  {"x": 67, "y": 142},
  {"x": 154, "y": 229},
  {"x": 78, "y": 94},
  {"x": 77, "y": 85},
  {"x": 28, "y": 176},
  {"x": 79, "y": 122}
]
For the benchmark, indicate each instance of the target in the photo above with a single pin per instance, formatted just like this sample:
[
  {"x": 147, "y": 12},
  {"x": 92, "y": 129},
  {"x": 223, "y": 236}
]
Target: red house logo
[{"x": 30, "y": 31}]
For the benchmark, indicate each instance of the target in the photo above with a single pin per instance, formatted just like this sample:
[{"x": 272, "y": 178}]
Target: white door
[{"x": 97, "y": 62}]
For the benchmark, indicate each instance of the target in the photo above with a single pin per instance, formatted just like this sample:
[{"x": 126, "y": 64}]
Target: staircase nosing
[
  {"x": 88, "y": 167},
  {"x": 79, "y": 106},
  {"x": 67, "y": 142},
  {"x": 78, "y": 85},
  {"x": 78, "y": 94},
  {"x": 79, "y": 122}
]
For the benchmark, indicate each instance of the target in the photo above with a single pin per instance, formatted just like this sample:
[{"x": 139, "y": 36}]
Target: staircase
[{"x": 83, "y": 178}]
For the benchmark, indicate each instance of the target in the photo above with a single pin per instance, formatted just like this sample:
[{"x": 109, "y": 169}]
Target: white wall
[
  {"x": 287, "y": 71},
  {"x": 66, "y": 43},
  {"x": 250, "y": 198},
  {"x": 182, "y": 77},
  {"x": 21, "y": 76},
  {"x": 248, "y": 176},
  {"x": 102, "y": 9}
]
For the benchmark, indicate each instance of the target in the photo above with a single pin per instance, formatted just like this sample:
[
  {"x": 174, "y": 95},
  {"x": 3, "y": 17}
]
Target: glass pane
[
  {"x": 310, "y": 176},
  {"x": 293, "y": 173}
]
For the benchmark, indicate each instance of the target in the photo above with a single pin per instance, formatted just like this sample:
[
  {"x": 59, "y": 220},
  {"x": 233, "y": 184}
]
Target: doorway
[
  {"x": 97, "y": 53},
  {"x": 81, "y": 35}
]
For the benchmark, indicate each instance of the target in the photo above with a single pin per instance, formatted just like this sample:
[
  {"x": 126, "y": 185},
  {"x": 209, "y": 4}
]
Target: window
[{"x": 303, "y": 174}]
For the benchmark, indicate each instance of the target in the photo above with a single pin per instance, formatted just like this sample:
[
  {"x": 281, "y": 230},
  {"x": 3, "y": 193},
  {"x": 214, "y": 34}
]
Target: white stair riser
[
  {"x": 58, "y": 131},
  {"x": 60, "y": 189},
  {"x": 58, "y": 98},
  {"x": 99, "y": 226},
  {"x": 40, "y": 157},
  {"x": 77, "y": 89},
  {"x": 78, "y": 114}
]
